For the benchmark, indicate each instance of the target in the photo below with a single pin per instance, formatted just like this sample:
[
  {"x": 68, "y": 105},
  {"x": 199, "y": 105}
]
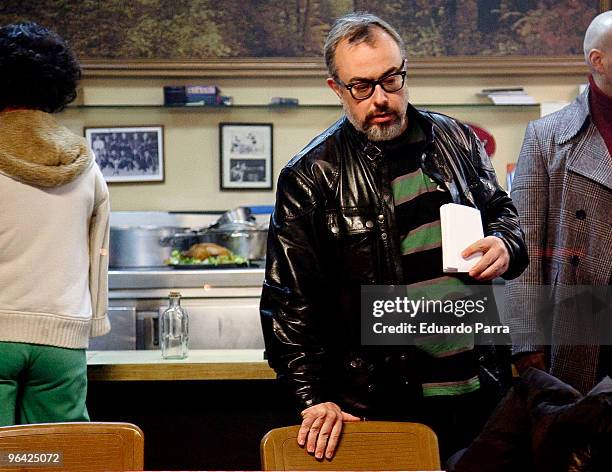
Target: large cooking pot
[
  {"x": 245, "y": 239},
  {"x": 141, "y": 246}
]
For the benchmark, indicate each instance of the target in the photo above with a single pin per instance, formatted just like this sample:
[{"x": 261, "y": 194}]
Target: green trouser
[{"x": 42, "y": 384}]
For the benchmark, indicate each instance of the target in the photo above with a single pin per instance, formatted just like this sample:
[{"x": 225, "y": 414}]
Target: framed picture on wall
[
  {"x": 129, "y": 154},
  {"x": 246, "y": 156}
]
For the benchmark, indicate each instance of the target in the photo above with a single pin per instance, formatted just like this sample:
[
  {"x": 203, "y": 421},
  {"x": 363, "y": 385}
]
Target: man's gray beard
[{"x": 376, "y": 132}]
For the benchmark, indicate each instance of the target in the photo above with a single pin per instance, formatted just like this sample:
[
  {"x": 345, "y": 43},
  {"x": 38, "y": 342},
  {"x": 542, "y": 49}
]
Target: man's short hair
[
  {"x": 37, "y": 68},
  {"x": 355, "y": 28}
]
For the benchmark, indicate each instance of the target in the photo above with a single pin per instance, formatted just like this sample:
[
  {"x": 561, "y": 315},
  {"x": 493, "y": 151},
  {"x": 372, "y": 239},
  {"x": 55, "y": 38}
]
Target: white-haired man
[{"x": 563, "y": 191}]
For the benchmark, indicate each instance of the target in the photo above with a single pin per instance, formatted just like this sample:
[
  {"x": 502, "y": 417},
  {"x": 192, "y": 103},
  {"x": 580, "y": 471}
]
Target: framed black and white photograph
[
  {"x": 246, "y": 156},
  {"x": 129, "y": 154}
]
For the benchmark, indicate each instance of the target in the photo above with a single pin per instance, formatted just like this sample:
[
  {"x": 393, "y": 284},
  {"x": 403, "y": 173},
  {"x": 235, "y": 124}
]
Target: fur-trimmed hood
[{"x": 35, "y": 149}]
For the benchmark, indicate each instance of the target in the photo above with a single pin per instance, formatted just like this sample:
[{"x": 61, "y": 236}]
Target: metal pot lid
[
  {"x": 237, "y": 215},
  {"x": 149, "y": 228},
  {"x": 235, "y": 226}
]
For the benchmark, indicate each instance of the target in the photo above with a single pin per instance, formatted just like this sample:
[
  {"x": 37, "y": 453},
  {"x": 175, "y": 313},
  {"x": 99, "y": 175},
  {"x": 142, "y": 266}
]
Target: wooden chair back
[
  {"x": 72, "y": 447},
  {"x": 365, "y": 445}
]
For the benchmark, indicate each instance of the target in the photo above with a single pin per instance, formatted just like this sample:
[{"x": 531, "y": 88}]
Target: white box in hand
[{"x": 461, "y": 226}]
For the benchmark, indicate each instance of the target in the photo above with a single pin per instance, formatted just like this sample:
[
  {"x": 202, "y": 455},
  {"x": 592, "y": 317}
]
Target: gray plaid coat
[{"x": 563, "y": 191}]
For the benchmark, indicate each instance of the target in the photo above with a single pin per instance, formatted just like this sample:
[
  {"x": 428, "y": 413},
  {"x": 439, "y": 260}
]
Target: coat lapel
[
  {"x": 590, "y": 158},
  {"x": 593, "y": 162}
]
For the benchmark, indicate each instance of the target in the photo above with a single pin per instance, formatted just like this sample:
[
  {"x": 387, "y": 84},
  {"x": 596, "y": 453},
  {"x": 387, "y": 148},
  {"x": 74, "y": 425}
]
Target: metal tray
[{"x": 208, "y": 266}]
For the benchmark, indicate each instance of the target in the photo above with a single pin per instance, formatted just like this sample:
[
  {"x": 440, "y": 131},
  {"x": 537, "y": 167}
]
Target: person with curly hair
[{"x": 54, "y": 234}]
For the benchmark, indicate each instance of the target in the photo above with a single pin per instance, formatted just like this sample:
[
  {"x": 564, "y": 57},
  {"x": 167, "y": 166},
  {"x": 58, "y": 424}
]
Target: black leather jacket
[{"x": 333, "y": 230}]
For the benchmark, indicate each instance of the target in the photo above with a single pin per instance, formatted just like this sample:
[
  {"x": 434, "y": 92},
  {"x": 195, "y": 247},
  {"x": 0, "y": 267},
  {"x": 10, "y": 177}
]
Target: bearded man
[{"x": 359, "y": 206}]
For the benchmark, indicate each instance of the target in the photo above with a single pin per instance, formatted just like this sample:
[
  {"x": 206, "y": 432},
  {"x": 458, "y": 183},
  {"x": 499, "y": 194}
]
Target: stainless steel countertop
[{"x": 173, "y": 278}]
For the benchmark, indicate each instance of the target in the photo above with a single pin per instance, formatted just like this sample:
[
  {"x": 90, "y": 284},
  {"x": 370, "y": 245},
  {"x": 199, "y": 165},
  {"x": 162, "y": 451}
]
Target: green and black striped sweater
[{"x": 450, "y": 365}]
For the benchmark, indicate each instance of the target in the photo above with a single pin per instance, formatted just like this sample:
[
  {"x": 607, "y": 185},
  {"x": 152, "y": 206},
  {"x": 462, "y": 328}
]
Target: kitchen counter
[
  {"x": 202, "y": 364},
  {"x": 198, "y": 283},
  {"x": 163, "y": 277}
]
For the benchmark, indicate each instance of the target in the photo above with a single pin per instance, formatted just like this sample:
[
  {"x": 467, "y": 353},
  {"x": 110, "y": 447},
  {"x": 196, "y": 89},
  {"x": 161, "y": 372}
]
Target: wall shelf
[{"x": 284, "y": 108}]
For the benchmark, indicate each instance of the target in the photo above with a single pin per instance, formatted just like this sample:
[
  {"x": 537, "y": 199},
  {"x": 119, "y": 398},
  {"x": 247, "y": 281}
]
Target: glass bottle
[{"x": 174, "y": 329}]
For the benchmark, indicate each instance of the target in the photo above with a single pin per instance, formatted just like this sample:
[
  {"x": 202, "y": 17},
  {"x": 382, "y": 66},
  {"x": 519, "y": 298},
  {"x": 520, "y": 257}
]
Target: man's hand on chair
[{"x": 321, "y": 428}]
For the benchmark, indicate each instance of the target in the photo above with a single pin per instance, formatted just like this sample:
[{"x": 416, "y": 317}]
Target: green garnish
[{"x": 176, "y": 258}]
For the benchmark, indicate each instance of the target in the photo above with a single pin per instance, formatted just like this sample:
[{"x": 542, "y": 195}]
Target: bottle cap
[{"x": 174, "y": 294}]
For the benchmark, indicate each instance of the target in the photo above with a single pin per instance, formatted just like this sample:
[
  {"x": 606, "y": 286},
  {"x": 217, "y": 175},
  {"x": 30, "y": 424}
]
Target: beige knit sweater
[{"x": 54, "y": 232}]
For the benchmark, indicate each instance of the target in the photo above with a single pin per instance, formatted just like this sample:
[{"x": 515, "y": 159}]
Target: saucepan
[{"x": 245, "y": 239}]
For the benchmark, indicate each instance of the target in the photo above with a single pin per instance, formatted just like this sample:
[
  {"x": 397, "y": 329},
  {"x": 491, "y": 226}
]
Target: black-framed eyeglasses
[{"x": 364, "y": 89}]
